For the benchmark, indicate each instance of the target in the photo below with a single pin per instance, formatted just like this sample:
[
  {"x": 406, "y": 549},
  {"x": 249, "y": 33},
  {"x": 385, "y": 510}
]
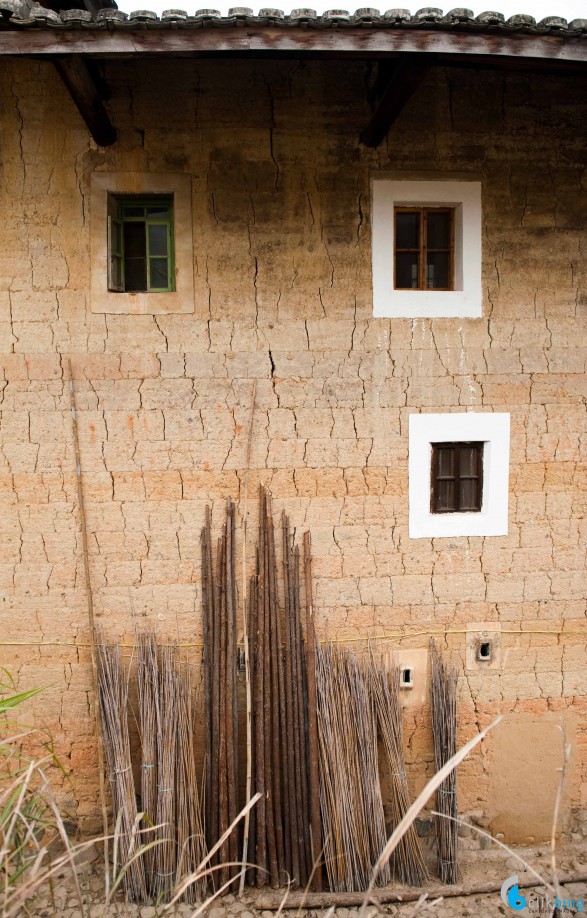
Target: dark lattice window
[{"x": 457, "y": 477}]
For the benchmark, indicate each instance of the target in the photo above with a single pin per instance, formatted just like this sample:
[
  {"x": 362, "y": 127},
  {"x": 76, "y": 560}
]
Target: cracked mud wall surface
[{"x": 281, "y": 201}]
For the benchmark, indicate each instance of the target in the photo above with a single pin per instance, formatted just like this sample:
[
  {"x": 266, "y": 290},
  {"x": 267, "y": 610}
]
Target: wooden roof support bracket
[
  {"x": 82, "y": 88},
  {"x": 405, "y": 78}
]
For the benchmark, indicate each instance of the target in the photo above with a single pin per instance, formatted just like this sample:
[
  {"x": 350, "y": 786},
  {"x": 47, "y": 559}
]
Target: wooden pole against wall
[
  {"x": 249, "y": 697},
  {"x": 313, "y": 751},
  {"x": 68, "y": 377}
]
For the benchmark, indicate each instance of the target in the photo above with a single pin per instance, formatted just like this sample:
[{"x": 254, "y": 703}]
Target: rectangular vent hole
[
  {"x": 406, "y": 677},
  {"x": 484, "y": 651}
]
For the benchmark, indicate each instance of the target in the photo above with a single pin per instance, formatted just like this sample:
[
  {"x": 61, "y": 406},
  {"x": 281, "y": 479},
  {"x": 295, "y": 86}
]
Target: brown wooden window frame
[
  {"x": 423, "y": 249},
  {"x": 435, "y": 477}
]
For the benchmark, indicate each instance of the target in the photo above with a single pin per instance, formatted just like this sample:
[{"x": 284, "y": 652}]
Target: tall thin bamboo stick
[
  {"x": 223, "y": 823},
  {"x": 275, "y": 651},
  {"x": 292, "y": 802},
  {"x": 270, "y": 734},
  {"x": 68, "y": 376},
  {"x": 286, "y": 775},
  {"x": 313, "y": 749},
  {"x": 231, "y": 731},
  {"x": 294, "y": 647},
  {"x": 248, "y": 686},
  {"x": 305, "y": 841},
  {"x": 260, "y": 786},
  {"x": 251, "y": 874},
  {"x": 207, "y": 660}
]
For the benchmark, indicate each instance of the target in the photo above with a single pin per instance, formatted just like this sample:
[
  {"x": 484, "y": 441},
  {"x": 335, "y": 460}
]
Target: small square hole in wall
[
  {"x": 483, "y": 647},
  {"x": 484, "y": 650},
  {"x": 458, "y": 468},
  {"x": 412, "y": 675},
  {"x": 406, "y": 678}
]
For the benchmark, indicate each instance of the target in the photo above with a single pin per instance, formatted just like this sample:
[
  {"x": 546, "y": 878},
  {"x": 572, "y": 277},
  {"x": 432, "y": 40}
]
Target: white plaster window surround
[
  {"x": 493, "y": 430},
  {"x": 465, "y": 300},
  {"x": 103, "y": 300}
]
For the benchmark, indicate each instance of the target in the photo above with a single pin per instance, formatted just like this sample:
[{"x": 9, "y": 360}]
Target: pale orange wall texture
[{"x": 282, "y": 276}]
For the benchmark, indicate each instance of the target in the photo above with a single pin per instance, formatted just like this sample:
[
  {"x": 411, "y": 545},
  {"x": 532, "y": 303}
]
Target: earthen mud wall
[{"x": 282, "y": 269}]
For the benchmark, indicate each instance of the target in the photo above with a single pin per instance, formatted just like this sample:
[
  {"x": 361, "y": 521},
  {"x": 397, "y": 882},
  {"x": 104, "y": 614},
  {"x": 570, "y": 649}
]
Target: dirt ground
[{"x": 477, "y": 866}]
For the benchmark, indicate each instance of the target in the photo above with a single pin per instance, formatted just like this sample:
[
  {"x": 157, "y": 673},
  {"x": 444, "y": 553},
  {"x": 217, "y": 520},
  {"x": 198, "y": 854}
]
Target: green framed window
[{"x": 140, "y": 244}]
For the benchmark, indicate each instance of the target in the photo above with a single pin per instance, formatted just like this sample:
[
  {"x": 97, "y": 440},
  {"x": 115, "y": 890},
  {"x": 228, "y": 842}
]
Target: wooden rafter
[
  {"x": 483, "y": 48},
  {"x": 406, "y": 76},
  {"x": 84, "y": 91}
]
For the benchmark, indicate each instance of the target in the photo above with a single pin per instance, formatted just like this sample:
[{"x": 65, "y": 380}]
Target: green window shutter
[
  {"x": 115, "y": 255},
  {"x": 160, "y": 254}
]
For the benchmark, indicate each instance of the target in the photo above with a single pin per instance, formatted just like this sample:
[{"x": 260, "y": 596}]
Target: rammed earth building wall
[{"x": 283, "y": 294}]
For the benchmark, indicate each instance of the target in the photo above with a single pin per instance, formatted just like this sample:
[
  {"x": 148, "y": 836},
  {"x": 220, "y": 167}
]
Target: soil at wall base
[{"x": 476, "y": 867}]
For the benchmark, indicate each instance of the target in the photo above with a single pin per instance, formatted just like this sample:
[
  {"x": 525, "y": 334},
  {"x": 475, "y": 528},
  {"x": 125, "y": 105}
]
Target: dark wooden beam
[
  {"x": 405, "y": 78},
  {"x": 74, "y": 72},
  {"x": 159, "y": 41}
]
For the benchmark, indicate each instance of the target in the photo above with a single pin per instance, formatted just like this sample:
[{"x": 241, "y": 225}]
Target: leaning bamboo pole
[
  {"x": 260, "y": 787},
  {"x": 313, "y": 749},
  {"x": 292, "y": 802},
  {"x": 219, "y": 601},
  {"x": 270, "y": 737},
  {"x": 231, "y": 699},
  {"x": 302, "y": 720},
  {"x": 248, "y": 688},
  {"x": 68, "y": 377},
  {"x": 252, "y": 625},
  {"x": 208, "y": 662},
  {"x": 223, "y": 821},
  {"x": 277, "y": 706},
  {"x": 286, "y": 775}
]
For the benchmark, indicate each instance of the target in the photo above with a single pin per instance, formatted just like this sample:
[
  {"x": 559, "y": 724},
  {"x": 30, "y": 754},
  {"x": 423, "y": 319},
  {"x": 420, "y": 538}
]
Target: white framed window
[
  {"x": 491, "y": 431},
  {"x": 426, "y": 248},
  {"x": 141, "y": 263}
]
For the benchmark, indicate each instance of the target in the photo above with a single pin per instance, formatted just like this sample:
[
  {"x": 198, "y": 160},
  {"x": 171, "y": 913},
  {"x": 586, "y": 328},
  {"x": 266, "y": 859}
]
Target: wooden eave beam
[
  {"x": 549, "y": 51},
  {"x": 82, "y": 88},
  {"x": 405, "y": 79}
]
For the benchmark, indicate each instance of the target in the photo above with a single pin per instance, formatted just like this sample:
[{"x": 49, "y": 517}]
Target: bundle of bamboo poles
[
  {"x": 444, "y": 731},
  {"x": 191, "y": 842},
  {"x": 407, "y": 861},
  {"x": 169, "y": 796},
  {"x": 350, "y": 791},
  {"x": 282, "y": 835},
  {"x": 113, "y": 684},
  {"x": 148, "y": 704},
  {"x": 219, "y": 602}
]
